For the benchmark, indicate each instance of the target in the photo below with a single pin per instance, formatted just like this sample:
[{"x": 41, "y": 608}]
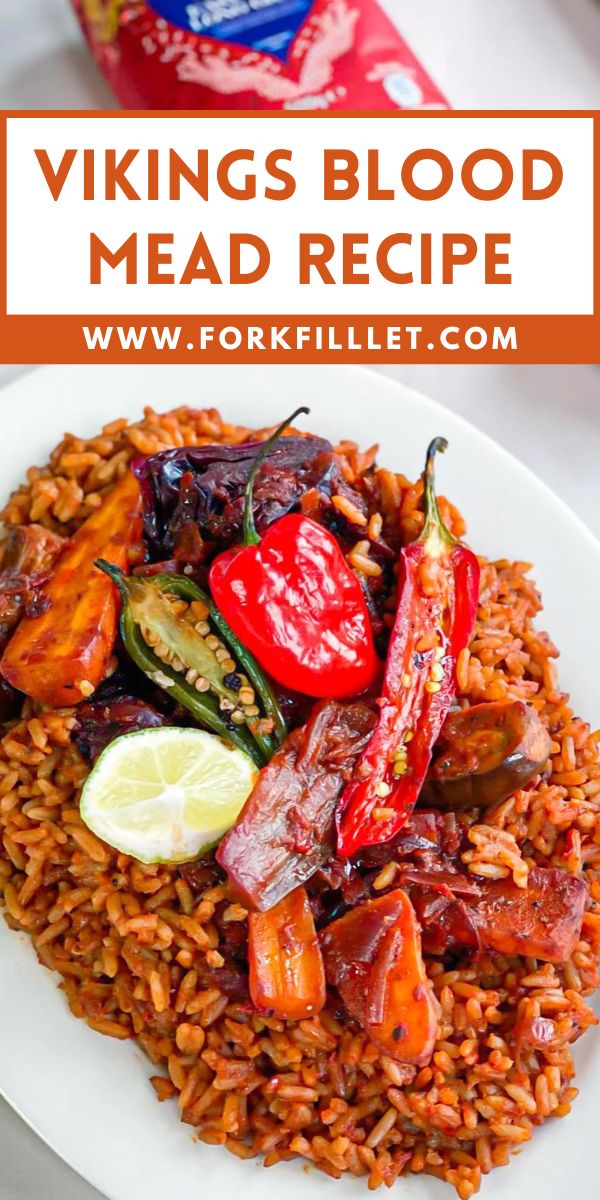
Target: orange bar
[{"x": 327, "y": 338}]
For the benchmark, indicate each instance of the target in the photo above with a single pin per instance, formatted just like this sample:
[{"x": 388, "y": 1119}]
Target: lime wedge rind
[{"x": 166, "y": 795}]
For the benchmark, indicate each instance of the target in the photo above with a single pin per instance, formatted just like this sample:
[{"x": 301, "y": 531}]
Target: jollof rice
[{"x": 127, "y": 938}]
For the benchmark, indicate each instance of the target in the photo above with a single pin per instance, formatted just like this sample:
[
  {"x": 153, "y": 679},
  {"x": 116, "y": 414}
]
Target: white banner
[{"x": 144, "y": 214}]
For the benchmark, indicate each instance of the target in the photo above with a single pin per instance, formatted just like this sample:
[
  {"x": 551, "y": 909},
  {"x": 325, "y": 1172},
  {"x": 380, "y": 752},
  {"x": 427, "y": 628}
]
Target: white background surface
[{"x": 512, "y": 53}]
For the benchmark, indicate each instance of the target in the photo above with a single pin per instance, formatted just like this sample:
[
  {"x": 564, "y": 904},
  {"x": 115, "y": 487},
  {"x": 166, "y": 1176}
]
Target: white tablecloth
[{"x": 541, "y": 53}]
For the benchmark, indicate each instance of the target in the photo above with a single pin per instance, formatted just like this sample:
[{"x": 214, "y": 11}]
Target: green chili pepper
[
  {"x": 188, "y": 590},
  {"x": 256, "y": 676},
  {"x": 195, "y": 666}
]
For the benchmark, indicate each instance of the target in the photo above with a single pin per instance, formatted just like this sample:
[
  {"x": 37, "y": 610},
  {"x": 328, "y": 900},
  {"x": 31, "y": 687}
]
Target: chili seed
[
  {"x": 406, "y": 680},
  {"x": 383, "y": 789},
  {"x": 437, "y": 672},
  {"x": 199, "y": 609},
  {"x": 432, "y": 686},
  {"x": 238, "y": 717},
  {"x": 227, "y": 664},
  {"x": 212, "y": 642},
  {"x": 426, "y": 642},
  {"x": 226, "y": 705},
  {"x": 382, "y": 814},
  {"x": 203, "y": 628},
  {"x": 221, "y": 654},
  {"x": 386, "y": 876},
  {"x": 246, "y": 695},
  {"x": 375, "y": 526},
  {"x": 202, "y": 684},
  {"x": 252, "y": 710},
  {"x": 191, "y": 675}
]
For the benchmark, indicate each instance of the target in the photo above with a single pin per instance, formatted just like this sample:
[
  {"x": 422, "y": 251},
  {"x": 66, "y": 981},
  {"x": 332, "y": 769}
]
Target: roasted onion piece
[
  {"x": 485, "y": 754},
  {"x": 286, "y": 831},
  {"x": 373, "y": 957}
]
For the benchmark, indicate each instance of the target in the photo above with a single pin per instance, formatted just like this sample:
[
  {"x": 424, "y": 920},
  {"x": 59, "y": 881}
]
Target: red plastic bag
[{"x": 278, "y": 54}]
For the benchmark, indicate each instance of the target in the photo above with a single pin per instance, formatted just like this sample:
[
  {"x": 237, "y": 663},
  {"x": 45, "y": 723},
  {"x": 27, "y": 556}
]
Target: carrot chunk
[
  {"x": 402, "y": 1011},
  {"x": 61, "y": 655},
  {"x": 373, "y": 957},
  {"x": 286, "y": 967}
]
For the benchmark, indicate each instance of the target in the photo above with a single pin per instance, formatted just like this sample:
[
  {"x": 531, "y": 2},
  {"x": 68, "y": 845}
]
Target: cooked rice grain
[{"x": 128, "y": 939}]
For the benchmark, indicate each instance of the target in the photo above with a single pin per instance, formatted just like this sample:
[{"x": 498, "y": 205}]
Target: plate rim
[{"x": 547, "y": 495}]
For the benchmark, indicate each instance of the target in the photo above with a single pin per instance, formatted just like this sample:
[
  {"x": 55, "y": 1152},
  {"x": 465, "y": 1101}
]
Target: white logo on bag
[{"x": 214, "y": 12}]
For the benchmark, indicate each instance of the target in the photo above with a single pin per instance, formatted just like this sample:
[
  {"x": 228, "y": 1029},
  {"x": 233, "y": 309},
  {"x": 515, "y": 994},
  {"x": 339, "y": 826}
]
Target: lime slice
[{"x": 164, "y": 795}]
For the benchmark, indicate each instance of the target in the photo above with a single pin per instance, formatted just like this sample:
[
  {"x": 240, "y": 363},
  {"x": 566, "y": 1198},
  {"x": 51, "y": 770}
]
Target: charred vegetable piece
[
  {"x": 100, "y": 723},
  {"x": 540, "y": 921},
  {"x": 286, "y": 829},
  {"x": 166, "y": 628},
  {"x": 286, "y": 967},
  {"x": 295, "y": 601},
  {"x": 373, "y": 957},
  {"x": 61, "y": 655},
  {"x": 30, "y": 553},
  {"x": 447, "y": 917},
  {"x": 439, "y": 585},
  {"x": 485, "y": 754},
  {"x": 11, "y": 702},
  {"x": 201, "y": 488}
]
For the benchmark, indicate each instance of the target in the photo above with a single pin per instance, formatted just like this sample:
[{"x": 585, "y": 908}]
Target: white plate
[{"x": 88, "y": 1096}]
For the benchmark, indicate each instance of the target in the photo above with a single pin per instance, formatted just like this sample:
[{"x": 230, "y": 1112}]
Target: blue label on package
[{"x": 265, "y": 25}]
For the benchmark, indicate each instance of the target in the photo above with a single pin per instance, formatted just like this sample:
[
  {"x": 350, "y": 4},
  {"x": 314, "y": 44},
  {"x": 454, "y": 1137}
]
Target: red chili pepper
[
  {"x": 439, "y": 586},
  {"x": 294, "y": 602}
]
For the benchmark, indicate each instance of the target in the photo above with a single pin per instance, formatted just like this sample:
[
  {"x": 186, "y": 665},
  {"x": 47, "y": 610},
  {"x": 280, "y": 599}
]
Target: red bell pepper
[
  {"x": 295, "y": 603},
  {"x": 438, "y": 589}
]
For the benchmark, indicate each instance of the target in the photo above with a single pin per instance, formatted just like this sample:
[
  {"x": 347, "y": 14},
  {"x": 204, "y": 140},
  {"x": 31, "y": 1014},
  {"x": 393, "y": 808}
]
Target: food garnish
[
  {"x": 373, "y": 957},
  {"x": 30, "y": 553},
  {"x": 194, "y": 495},
  {"x": 286, "y": 967},
  {"x": 295, "y": 602},
  {"x": 439, "y": 586},
  {"x": 286, "y": 830},
  {"x": 99, "y": 722},
  {"x": 165, "y": 795},
  {"x": 60, "y": 655},
  {"x": 168, "y": 627},
  {"x": 484, "y": 754}
]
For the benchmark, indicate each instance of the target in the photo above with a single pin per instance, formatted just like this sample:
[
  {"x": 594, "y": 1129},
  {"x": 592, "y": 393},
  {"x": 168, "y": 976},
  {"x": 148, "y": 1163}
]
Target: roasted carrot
[
  {"x": 61, "y": 655},
  {"x": 373, "y": 957},
  {"x": 286, "y": 968},
  {"x": 402, "y": 1011}
]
